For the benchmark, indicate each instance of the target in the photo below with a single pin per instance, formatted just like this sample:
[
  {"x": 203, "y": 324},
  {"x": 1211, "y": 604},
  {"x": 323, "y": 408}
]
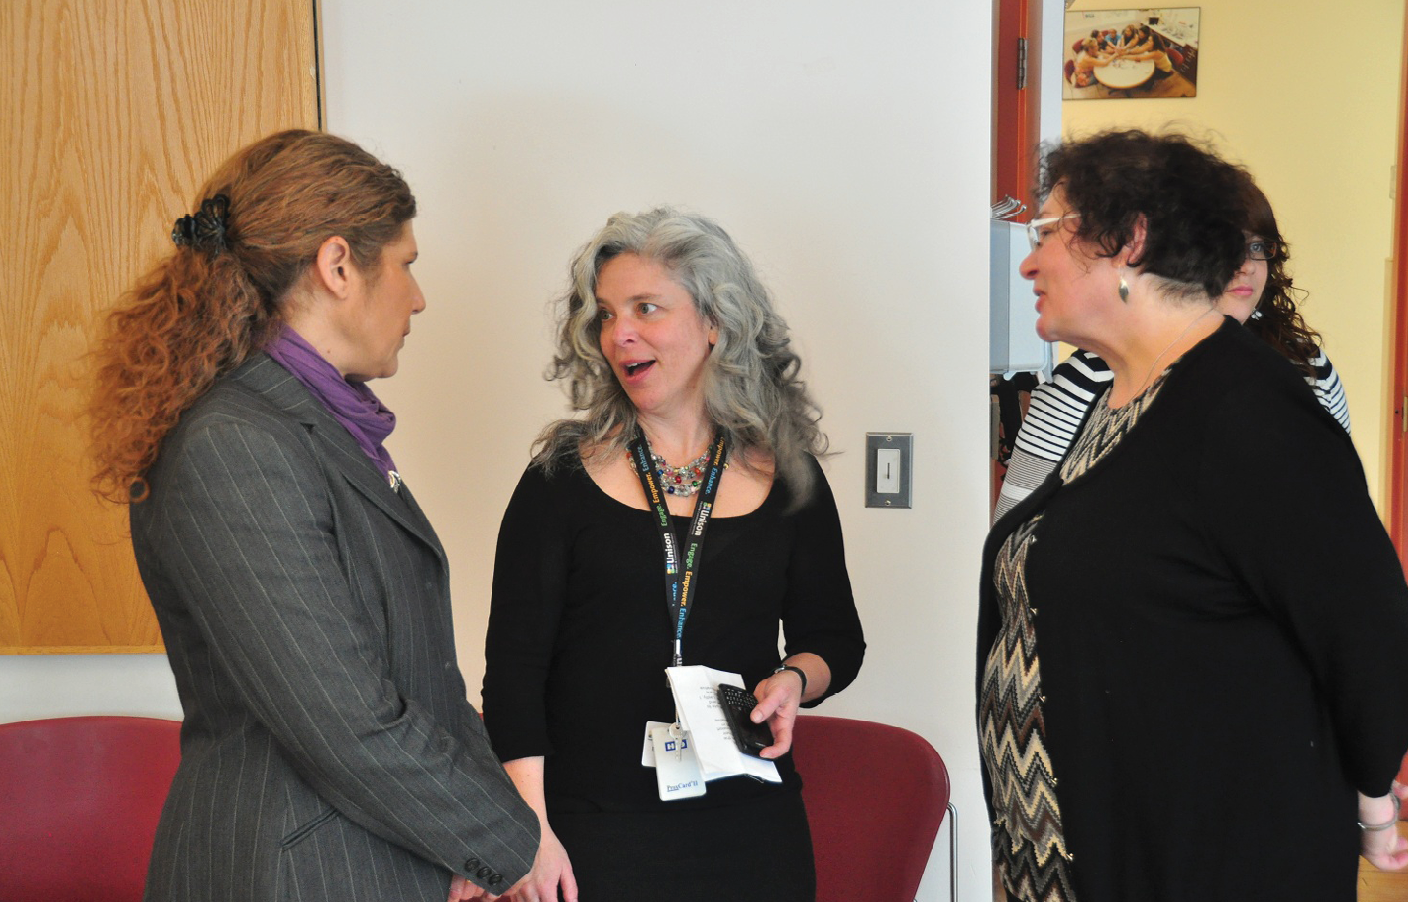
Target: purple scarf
[{"x": 352, "y": 403}]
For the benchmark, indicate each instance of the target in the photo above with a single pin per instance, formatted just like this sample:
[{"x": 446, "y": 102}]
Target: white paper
[{"x": 696, "y": 698}]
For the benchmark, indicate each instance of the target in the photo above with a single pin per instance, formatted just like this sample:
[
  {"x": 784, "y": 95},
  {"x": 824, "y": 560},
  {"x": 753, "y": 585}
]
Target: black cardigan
[{"x": 1221, "y": 626}]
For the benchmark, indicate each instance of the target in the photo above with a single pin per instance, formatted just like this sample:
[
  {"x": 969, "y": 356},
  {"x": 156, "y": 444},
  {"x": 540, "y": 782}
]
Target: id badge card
[{"x": 677, "y": 773}]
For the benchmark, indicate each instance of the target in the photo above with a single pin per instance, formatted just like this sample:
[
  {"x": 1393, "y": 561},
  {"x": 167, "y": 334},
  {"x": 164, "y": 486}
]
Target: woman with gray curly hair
[{"x": 694, "y": 424}]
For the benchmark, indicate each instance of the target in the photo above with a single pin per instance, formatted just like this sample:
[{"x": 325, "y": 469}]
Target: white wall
[
  {"x": 33, "y": 687},
  {"x": 845, "y": 146}
]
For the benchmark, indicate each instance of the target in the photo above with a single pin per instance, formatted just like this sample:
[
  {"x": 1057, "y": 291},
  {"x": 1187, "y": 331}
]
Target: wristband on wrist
[
  {"x": 803, "y": 674},
  {"x": 1388, "y": 824}
]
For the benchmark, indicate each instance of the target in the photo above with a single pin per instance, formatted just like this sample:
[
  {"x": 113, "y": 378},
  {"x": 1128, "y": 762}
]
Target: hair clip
[{"x": 205, "y": 229}]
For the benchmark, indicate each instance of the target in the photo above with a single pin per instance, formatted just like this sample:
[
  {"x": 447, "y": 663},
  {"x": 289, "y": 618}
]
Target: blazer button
[
  {"x": 485, "y": 873},
  {"x": 496, "y": 879},
  {"x": 469, "y": 866}
]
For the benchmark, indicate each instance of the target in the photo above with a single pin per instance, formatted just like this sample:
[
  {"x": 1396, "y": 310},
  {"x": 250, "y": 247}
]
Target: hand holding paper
[{"x": 696, "y": 698}]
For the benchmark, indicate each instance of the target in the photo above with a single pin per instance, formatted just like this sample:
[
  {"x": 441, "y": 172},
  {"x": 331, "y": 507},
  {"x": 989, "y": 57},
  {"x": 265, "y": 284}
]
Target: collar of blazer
[{"x": 276, "y": 385}]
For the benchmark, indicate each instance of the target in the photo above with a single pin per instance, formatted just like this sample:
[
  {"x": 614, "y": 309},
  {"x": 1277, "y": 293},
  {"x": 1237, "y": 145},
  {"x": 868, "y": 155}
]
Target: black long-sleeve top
[{"x": 580, "y": 636}]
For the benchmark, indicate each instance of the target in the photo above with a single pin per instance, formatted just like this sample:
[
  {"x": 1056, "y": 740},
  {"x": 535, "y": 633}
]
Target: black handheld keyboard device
[{"x": 738, "y": 704}]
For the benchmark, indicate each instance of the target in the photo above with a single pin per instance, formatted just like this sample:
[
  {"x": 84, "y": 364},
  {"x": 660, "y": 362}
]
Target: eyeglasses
[
  {"x": 1039, "y": 229},
  {"x": 1261, "y": 249}
]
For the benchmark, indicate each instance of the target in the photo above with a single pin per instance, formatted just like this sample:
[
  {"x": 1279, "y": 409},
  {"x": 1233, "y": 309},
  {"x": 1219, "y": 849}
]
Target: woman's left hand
[
  {"x": 1387, "y": 849},
  {"x": 779, "y": 696}
]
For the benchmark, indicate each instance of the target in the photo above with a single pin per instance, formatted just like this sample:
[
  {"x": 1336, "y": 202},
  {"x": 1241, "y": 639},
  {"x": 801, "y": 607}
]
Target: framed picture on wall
[{"x": 1121, "y": 54}]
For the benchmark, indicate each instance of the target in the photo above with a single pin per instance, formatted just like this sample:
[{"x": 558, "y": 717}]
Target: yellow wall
[{"x": 1307, "y": 97}]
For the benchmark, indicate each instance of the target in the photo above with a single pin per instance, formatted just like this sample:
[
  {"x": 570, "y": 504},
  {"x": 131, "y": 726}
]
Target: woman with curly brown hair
[
  {"x": 1259, "y": 296},
  {"x": 1186, "y": 691},
  {"x": 1275, "y": 318},
  {"x": 327, "y": 751}
]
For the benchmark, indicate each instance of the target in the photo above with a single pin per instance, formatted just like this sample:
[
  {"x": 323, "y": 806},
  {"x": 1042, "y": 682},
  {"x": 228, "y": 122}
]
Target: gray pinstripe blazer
[{"x": 328, "y": 751}]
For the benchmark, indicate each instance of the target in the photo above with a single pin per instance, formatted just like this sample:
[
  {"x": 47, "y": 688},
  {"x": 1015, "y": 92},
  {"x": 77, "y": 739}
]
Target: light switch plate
[{"x": 875, "y": 442}]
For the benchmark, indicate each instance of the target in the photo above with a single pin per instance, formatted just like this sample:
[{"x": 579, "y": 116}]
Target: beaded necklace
[{"x": 683, "y": 480}]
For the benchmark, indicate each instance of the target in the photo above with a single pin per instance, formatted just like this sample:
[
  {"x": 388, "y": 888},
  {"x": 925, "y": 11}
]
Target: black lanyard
[{"x": 679, "y": 585}]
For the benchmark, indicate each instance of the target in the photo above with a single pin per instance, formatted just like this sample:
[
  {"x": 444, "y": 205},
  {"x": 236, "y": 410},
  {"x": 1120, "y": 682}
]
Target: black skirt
[{"x": 759, "y": 849}]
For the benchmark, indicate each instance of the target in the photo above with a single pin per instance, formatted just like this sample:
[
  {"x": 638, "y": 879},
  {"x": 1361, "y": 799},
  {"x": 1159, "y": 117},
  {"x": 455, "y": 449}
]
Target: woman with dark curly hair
[
  {"x": 1258, "y": 296},
  {"x": 327, "y": 752},
  {"x": 1184, "y": 692},
  {"x": 681, "y": 367},
  {"x": 1275, "y": 317}
]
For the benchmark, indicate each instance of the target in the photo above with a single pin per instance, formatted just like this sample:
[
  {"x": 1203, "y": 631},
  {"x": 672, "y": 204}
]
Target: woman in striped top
[{"x": 1259, "y": 296}]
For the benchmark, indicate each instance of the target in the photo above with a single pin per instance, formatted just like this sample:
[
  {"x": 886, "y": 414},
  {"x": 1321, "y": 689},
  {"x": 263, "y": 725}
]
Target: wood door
[{"x": 115, "y": 112}]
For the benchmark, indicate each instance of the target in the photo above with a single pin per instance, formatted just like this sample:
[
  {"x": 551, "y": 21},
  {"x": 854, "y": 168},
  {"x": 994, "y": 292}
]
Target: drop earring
[{"x": 1124, "y": 290}]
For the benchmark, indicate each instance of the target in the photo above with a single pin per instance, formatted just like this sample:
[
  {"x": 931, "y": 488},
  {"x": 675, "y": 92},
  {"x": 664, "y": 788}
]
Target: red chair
[
  {"x": 875, "y": 797},
  {"x": 79, "y": 802},
  {"x": 1403, "y": 778},
  {"x": 1175, "y": 57}
]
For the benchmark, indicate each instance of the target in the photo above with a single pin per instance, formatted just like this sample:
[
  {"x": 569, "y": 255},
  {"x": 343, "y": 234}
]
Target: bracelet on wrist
[
  {"x": 801, "y": 673},
  {"x": 1388, "y": 824}
]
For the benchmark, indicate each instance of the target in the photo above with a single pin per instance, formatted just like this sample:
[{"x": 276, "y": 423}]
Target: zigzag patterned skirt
[{"x": 1028, "y": 845}]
